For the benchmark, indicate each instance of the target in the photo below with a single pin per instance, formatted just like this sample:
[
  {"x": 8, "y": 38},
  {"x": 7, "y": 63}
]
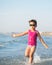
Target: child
[{"x": 32, "y": 40}]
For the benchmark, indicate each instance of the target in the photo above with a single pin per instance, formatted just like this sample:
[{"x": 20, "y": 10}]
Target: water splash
[{"x": 37, "y": 59}]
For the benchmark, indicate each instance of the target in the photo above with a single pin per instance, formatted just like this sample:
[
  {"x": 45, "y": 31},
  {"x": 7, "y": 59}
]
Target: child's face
[{"x": 32, "y": 25}]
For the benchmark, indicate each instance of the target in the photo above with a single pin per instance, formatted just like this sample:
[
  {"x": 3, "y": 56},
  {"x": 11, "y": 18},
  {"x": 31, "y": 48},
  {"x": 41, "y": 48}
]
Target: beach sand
[{"x": 46, "y": 33}]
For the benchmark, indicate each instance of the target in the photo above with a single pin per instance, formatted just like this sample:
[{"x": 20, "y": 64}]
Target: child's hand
[
  {"x": 46, "y": 46},
  {"x": 13, "y": 35}
]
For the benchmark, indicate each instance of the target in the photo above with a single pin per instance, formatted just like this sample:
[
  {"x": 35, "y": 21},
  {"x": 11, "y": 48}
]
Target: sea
[{"x": 12, "y": 50}]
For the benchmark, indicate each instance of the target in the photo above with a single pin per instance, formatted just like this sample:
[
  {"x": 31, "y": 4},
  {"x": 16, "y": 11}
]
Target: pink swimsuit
[{"x": 32, "y": 38}]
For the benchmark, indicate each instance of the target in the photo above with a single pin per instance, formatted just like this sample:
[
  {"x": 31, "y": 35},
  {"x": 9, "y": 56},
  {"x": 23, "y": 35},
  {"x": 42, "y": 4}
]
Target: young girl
[{"x": 32, "y": 40}]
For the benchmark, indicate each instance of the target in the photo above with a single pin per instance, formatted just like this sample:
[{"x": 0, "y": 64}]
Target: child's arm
[
  {"x": 42, "y": 41},
  {"x": 20, "y": 34}
]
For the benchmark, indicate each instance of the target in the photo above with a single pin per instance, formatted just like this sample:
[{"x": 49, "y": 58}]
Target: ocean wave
[{"x": 2, "y": 46}]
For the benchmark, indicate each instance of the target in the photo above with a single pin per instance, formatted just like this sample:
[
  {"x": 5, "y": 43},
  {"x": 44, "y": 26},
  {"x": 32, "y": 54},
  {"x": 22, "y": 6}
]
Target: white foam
[
  {"x": 48, "y": 59},
  {"x": 1, "y": 45},
  {"x": 37, "y": 58}
]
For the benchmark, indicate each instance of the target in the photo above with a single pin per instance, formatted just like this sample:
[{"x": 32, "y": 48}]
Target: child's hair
[{"x": 33, "y": 21}]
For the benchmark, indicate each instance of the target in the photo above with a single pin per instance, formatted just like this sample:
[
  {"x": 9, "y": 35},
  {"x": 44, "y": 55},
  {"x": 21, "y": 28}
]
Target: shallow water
[{"x": 12, "y": 51}]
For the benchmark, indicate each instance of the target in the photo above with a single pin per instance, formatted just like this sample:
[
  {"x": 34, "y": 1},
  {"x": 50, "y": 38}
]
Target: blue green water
[{"x": 12, "y": 50}]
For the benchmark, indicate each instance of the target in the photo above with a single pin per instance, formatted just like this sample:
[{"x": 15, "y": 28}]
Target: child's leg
[
  {"x": 27, "y": 51},
  {"x": 33, "y": 48}
]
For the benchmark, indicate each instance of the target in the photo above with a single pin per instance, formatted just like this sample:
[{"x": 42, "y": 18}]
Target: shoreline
[{"x": 42, "y": 33}]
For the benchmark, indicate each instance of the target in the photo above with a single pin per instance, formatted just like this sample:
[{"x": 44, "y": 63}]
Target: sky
[{"x": 15, "y": 14}]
